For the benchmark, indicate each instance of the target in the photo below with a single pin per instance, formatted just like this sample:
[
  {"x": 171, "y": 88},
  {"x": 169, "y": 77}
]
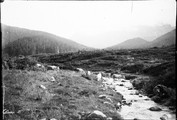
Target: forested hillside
[{"x": 19, "y": 41}]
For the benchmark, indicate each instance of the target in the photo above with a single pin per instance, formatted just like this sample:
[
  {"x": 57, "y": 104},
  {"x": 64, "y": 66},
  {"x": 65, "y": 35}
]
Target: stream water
[{"x": 140, "y": 104}]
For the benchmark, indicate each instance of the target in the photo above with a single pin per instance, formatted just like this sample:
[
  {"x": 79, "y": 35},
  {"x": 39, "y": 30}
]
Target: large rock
[
  {"x": 117, "y": 76},
  {"x": 161, "y": 91},
  {"x": 99, "y": 76},
  {"x": 105, "y": 97},
  {"x": 121, "y": 84},
  {"x": 130, "y": 77},
  {"x": 127, "y": 102},
  {"x": 102, "y": 96},
  {"x": 138, "y": 84},
  {"x": 80, "y": 69},
  {"x": 118, "y": 106},
  {"x": 106, "y": 74},
  {"x": 164, "y": 117},
  {"x": 109, "y": 105},
  {"x": 52, "y": 79},
  {"x": 155, "y": 108},
  {"x": 96, "y": 115},
  {"x": 52, "y": 67},
  {"x": 156, "y": 99},
  {"x": 88, "y": 73},
  {"x": 130, "y": 88}
]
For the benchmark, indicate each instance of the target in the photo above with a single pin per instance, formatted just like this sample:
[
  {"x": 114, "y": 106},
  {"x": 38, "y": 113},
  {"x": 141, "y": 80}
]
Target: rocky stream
[{"x": 136, "y": 106}]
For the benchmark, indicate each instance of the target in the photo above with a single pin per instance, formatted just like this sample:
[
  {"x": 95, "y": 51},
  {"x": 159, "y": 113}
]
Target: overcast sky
[{"x": 96, "y": 24}]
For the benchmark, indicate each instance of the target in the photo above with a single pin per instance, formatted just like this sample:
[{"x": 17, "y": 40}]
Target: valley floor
[{"x": 39, "y": 93}]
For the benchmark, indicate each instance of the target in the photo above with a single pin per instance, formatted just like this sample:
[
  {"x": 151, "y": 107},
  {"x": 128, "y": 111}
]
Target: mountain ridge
[
  {"x": 166, "y": 39},
  {"x": 20, "y": 39}
]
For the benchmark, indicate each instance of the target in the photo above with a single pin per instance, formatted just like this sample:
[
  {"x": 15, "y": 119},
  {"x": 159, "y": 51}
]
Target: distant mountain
[
  {"x": 130, "y": 44},
  {"x": 20, "y": 41},
  {"x": 165, "y": 40},
  {"x": 150, "y": 33}
]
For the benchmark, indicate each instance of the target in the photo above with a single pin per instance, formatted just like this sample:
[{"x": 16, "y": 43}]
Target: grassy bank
[{"x": 69, "y": 97}]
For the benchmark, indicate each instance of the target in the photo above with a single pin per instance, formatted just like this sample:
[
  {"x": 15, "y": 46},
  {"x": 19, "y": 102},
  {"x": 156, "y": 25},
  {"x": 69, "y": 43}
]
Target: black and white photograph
[{"x": 88, "y": 60}]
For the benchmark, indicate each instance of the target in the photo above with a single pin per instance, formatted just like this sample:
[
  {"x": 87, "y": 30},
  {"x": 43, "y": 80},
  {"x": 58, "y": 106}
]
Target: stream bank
[{"x": 138, "y": 106}]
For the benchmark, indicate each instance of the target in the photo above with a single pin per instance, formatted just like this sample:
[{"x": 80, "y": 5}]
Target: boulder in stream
[
  {"x": 140, "y": 95},
  {"x": 138, "y": 83},
  {"x": 155, "y": 108},
  {"x": 123, "y": 81},
  {"x": 165, "y": 117},
  {"x": 118, "y": 106},
  {"x": 117, "y": 76},
  {"x": 136, "y": 119},
  {"x": 127, "y": 102},
  {"x": 137, "y": 93},
  {"x": 130, "y": 88}
]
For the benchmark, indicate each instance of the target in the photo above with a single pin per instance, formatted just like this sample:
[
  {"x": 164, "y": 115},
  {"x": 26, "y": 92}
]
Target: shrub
[
  {"x": 27, "y": 62},
  {"x": 163, "y": 73},
  {"x": 133, "y": 68},
  {"x": 129, "y": 77}
]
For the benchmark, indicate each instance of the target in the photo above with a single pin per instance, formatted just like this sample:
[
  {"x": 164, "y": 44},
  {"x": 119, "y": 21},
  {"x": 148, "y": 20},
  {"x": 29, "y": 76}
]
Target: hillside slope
[
  {"x": 165, "y": 40},
  {"x": 131, "y": 44},
  {"x": 22, "y": 41}
]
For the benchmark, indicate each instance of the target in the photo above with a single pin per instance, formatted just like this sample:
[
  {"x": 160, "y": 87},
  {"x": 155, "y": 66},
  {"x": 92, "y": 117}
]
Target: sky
[{"x": 97, "y": 24}]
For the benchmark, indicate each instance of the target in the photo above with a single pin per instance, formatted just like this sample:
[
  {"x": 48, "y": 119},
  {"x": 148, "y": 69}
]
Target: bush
[
  {"x": 129, "y": 77},
  {"x": 164, "y": 74},
  {"x": 133, "y": 68},
  {"x": 25, "y": 63}
]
